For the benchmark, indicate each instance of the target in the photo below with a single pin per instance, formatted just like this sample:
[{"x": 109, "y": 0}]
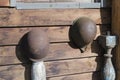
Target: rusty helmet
[
  {"x": 83, "y": 31},
  {"x": 38, "y": 43}
]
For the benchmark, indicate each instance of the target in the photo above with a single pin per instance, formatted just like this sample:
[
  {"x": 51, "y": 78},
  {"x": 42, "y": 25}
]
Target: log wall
[{"x": 65, "y": 61}]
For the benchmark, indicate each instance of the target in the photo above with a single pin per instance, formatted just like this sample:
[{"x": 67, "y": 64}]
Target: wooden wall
[{"x": 65, "y": 61}]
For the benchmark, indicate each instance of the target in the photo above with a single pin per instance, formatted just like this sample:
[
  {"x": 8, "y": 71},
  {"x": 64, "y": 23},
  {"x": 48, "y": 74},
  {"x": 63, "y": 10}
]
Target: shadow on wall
[
  {"x": 95, "y": 47},
  {"x": 104, "y": 27},
  {"x": 21, "y": 51},
  {"x": 22, "y": 48}
]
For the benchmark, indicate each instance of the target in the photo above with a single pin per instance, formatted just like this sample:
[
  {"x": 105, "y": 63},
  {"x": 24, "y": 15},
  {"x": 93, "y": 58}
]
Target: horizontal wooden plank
[
  {"x": 4, "y": 2},
  {"x": 14, "y": 18},
  {"x": 57, "y": 68},
  {"x": 54, "y": 68},
  {"x": 10, "y": 36},
  {"x": 85, "y": 76},
  {"x": 61, "y": 51}
]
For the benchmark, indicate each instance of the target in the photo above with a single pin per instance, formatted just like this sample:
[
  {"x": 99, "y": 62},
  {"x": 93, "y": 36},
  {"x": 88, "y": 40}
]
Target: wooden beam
[
  {"x": 116, "y": 30},
  {"x": 13, "y": 17},
  {"x": 4, "y": 3}
]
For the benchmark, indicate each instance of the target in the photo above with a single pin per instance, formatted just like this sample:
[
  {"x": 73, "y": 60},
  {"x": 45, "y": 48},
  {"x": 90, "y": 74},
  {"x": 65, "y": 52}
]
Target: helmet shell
[
  {"x": 83, "y": 31},
  {"x": 38, "y": 43}
]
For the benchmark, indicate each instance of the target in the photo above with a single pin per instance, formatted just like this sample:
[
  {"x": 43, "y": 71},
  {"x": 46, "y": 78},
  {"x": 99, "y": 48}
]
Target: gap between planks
[
  {"x": 60, "y": 68},
  {"x": 61, "y": 51},
  {"x": 85, "y": 76},
  {"x": 11, "y": 17},
  {"x": 58, "y": 34}
]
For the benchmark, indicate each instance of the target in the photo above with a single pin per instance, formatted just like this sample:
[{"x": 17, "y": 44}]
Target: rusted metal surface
[
  {"x": 38, "y": 43},
  {"x": 83, "y": 32},
  {"x": 108, "y": 42},
  {"x": 4, "y": 2}
]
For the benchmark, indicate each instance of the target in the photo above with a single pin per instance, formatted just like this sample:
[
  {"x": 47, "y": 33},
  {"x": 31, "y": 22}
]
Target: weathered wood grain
[
  {"x": 116, "y": 31},
  {"x": 61, "y": 51},
  {"x": 38, "y": 71},
  {"x": 85, "y": 76},
  {"x": 72, "y": 66},
  {"x": 9, "y": 36},
  {"x": 15, "y": 18},
  {"x": 54, "y": 68},
  {"x": 4, "y": 3}
]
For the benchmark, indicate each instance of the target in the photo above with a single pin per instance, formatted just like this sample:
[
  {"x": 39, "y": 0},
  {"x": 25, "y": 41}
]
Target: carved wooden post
[
  {"x": 116, "y": 30},
  {"x": 108, "y": 42}
]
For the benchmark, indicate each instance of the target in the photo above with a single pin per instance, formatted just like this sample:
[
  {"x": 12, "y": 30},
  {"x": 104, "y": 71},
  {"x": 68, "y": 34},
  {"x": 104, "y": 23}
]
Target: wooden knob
[
  {"x": 83, "y": 31},
  {"x": 38, "y": 43}
]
